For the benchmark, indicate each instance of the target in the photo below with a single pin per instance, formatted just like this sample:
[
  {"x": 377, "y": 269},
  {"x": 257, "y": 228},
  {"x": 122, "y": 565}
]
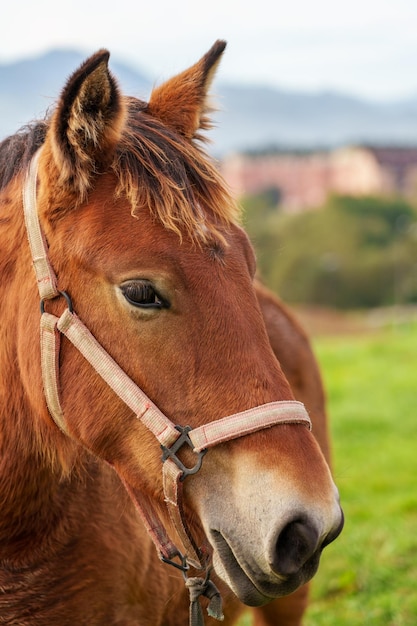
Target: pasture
[{"x": 368, "y": 575}]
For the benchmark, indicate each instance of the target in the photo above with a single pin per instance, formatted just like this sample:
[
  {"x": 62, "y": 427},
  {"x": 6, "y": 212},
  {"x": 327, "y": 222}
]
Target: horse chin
[{"x": 255, "y": 588}]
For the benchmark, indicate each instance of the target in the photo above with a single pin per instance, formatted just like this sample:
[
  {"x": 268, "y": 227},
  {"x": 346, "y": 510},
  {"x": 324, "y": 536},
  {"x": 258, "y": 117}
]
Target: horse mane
[
  {"x": 155, "y": 168},
  {"x": 17, "y": 150}
]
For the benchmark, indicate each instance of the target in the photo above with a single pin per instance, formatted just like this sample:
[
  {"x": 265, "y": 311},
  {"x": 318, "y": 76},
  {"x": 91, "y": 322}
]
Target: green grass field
[{"x": 369, "y": 575}]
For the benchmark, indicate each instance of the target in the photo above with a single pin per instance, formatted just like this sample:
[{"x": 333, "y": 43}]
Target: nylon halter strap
[{"x": 170, "y": 437}]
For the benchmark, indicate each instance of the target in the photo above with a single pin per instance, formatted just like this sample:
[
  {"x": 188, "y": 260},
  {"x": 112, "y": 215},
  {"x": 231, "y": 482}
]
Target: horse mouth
[{"x": 252, "y": 586}]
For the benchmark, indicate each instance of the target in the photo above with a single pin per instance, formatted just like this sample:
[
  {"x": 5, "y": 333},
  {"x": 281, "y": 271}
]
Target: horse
[{"x": 154, "y": 459}]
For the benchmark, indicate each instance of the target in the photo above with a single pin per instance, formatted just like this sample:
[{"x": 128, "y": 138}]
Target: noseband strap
[{"x": 166, "y": 432}]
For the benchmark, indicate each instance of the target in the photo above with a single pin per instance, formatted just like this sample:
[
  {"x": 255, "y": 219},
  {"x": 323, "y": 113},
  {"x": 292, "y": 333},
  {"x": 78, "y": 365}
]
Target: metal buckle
[{"x": 171, "y": 453}]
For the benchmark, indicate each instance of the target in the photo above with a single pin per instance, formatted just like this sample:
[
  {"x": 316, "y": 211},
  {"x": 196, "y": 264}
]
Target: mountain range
[{"x": 250, "y": 118}]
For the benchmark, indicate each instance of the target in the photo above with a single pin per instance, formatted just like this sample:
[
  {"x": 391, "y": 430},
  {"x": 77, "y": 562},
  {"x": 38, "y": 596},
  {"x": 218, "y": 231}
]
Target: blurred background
[{"x": 316, "y": 134}]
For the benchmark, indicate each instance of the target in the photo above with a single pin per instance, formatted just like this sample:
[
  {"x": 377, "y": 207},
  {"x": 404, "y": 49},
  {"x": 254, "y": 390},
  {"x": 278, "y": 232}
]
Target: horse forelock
[{"x": 175, "y": 179}]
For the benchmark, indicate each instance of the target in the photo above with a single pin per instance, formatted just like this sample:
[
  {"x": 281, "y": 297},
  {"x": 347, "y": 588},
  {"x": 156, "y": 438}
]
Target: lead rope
[{"x": 198, "y": 587}]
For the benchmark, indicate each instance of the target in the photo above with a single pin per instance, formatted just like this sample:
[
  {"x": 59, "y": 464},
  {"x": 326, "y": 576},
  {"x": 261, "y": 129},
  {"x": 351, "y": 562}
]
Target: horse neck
[
  {"x": 43, "y": 492},
  {"x": 33, "y": 490},
  {"x": 37, "y": 462}
]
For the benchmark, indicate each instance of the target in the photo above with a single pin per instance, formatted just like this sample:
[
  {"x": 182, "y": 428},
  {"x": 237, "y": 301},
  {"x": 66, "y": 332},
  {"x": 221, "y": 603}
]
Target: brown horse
[{"x": 141, "y": 265}]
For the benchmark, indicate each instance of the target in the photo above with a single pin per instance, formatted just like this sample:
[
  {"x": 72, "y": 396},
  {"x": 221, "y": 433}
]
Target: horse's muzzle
[{"x": 291, "y": 558}]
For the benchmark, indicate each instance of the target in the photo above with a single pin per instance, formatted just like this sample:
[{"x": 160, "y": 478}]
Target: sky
[{"x": 367, "y": 48}]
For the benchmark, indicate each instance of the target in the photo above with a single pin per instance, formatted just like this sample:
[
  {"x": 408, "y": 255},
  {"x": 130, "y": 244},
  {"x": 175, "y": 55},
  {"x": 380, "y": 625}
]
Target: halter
[{"x": 171, "y": 437}]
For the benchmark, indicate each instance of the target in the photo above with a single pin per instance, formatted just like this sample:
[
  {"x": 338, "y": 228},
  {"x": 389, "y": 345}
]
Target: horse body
[{"x": 143, "y": 236}]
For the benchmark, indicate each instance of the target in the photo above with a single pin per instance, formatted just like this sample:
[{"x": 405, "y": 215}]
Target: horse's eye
[{"x": 141, "y": 293}]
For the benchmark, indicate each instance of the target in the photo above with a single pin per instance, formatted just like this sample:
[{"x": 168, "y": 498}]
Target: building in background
[{"x": 304, "y": 180}]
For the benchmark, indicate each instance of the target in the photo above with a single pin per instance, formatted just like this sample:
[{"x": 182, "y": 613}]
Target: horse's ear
[
  {"x": 87, "y": 122},
  {"x": 182, "y": 102}
]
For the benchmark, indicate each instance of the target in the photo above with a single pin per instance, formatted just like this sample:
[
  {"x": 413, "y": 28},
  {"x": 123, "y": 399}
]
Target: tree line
[{"x": 354, "y": 252}]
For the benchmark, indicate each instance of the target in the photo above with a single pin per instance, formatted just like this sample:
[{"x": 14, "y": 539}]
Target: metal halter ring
[
  {"x": 67, "y": 298},
  {"x": 183, "y": 565}
]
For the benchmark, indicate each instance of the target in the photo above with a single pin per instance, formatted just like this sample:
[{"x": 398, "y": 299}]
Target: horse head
[{"x": 144, "y": 237}]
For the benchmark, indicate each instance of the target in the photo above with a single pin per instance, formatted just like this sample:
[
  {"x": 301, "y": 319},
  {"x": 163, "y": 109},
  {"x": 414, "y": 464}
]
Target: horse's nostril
[
  {"x": 296, "y": 543},
  {"x": 335, "y": 533}
]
